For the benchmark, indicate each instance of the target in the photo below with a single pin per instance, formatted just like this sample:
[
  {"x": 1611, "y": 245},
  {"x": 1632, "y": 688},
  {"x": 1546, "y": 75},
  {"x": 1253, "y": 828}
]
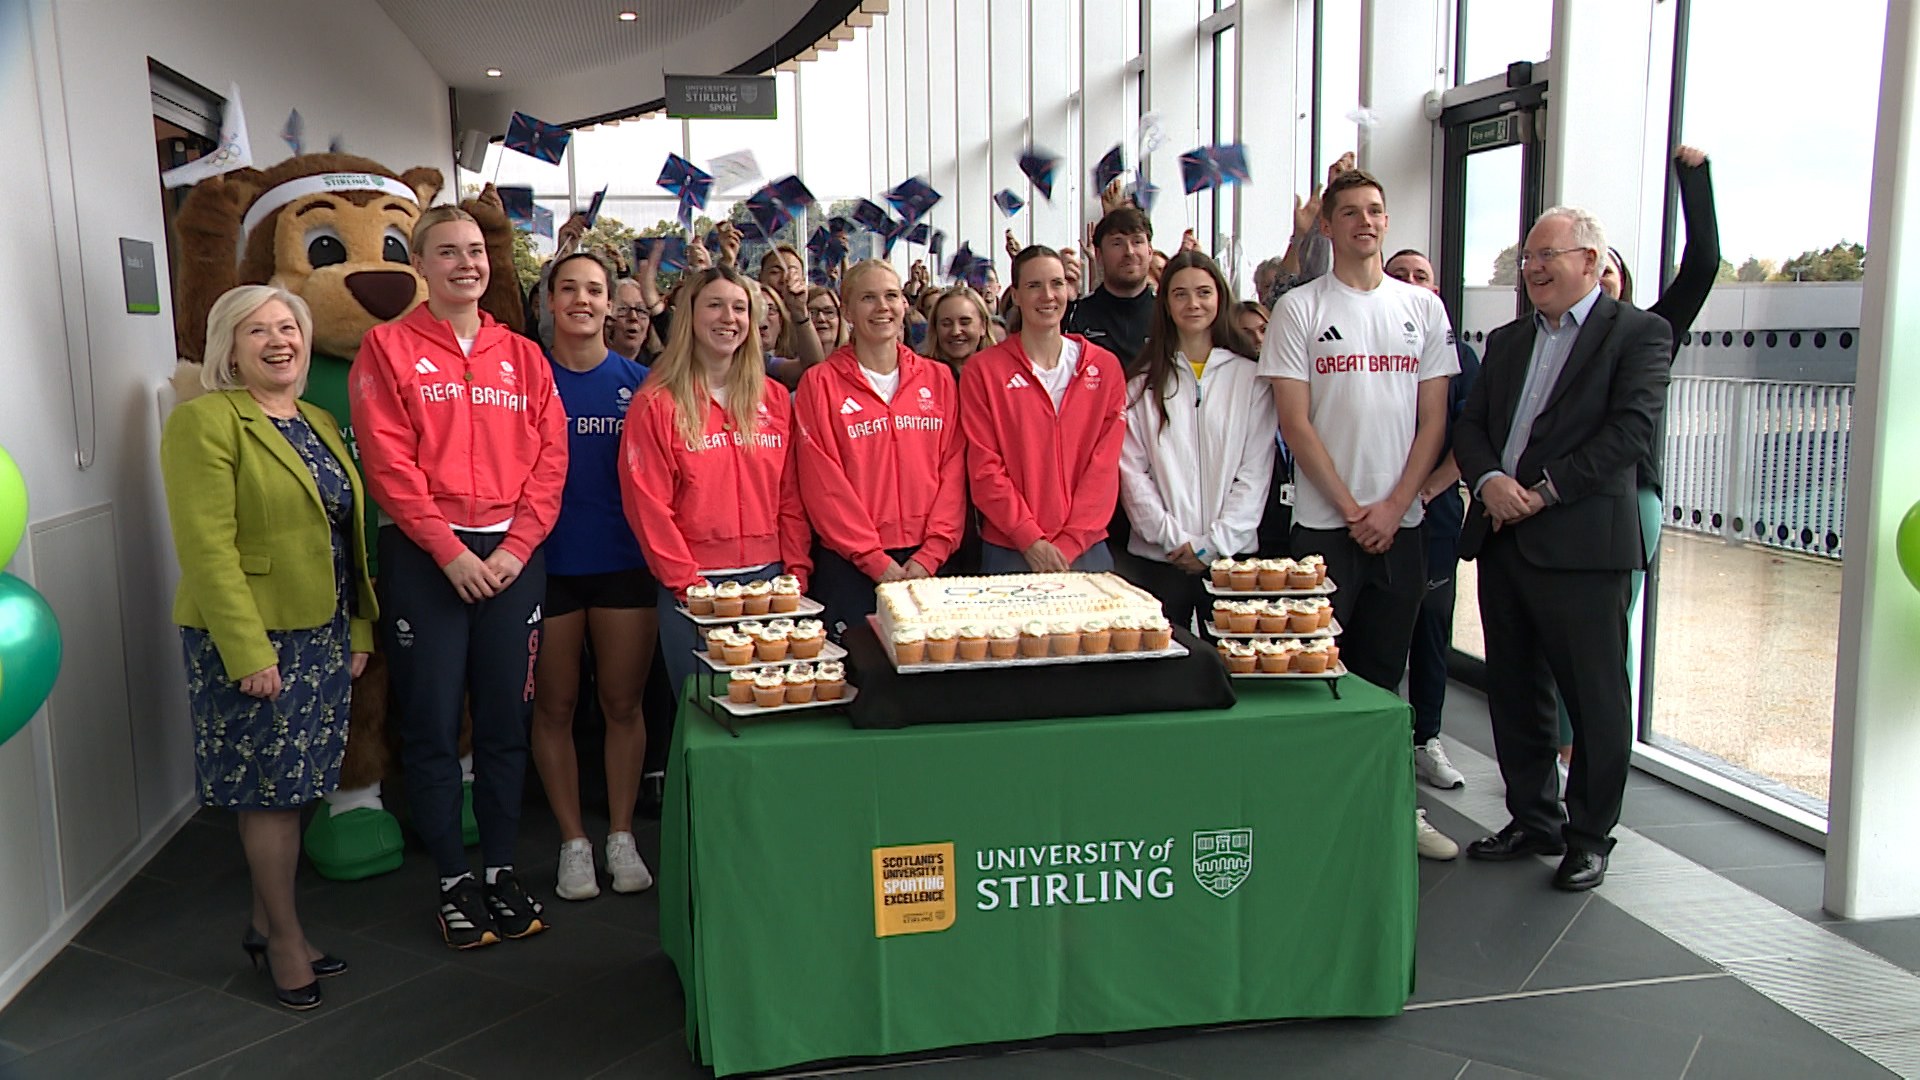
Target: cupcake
[
  {"x": 1312, "y": 658},
  {"x": 943, "y": 643},
  {"x": 1333, "y": 653},
  {"x": 740, "y": 687},
  {"x": 1033, "y": 639},
  {"x": 1322, "y": 612},
  {"x": 1242, "y": 618},
  {"x": 1222, "y": 571},
  {"x": 1273, "y": 574},
  {"x": 751, "y": 627},
  {"x": 1271, "y": 656},
  {"x": 1318, "y": 565},
  {"x": 1156, "y": 633},
  {"x": 800, "y": 684},
  {"x": 1063, "y": 639},
  {"x": 758, "y": 597},
  {"x": 1126, "y": 634},
  {"x": 1240, "y": 657},
  {"x": 729, "y": 599},
  {"x": 1096, "y": 636},
  {"x": 1302, "y": 576},
  {"x": 737, "y": 649},
  {"x": 1245, "y": 576},
  {"x": 1302, "y": 618},
  {"x": 829, "y": 681},
  {"x": 700, "y": 598},
  {"x": 1273, "y": 618},
  {"x": 786, "y": 593},
  {"x": 909, "y": 646},
  {"x": 769, "y": 689},
  {"x": 770, "y": 646},
  {"x": 1223, "y": 616},
  {"x": 1003, "y": 641},
  {"x": 973, "y": 642},
  {"x": 716, "y": 638},
  {"x": 805, "y": 642}
]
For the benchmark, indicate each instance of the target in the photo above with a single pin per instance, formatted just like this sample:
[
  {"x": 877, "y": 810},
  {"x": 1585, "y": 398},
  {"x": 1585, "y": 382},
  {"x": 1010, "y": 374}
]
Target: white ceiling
[{"x": 567, "y": 60}]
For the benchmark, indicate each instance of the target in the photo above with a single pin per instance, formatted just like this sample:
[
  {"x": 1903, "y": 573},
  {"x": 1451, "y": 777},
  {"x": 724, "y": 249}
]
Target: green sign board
[
  {"x": 1491, "y": 132},
  {"x": 722, "y": 97}
]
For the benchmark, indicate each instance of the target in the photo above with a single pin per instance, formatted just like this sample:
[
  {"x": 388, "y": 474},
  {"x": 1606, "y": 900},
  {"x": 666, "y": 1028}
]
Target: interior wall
[{"x": 82, "y": 174}]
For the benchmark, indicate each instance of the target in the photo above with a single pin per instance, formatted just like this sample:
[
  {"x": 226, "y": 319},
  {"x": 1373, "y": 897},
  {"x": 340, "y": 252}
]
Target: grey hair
[
  {"x": 1588, "y": 233},
  {"x": 217, "y": 369}
]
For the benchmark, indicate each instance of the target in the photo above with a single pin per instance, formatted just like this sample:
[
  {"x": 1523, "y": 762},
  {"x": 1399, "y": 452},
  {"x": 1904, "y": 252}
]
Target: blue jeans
[{"x": 995, "y": 559}]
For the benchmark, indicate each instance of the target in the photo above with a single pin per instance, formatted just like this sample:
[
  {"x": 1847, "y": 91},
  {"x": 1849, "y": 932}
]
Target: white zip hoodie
[{"x": 1202, "y": 479}]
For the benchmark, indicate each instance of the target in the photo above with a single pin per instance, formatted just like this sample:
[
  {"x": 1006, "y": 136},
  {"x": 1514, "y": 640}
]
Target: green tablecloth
[{"x": 1095, "y": 915}]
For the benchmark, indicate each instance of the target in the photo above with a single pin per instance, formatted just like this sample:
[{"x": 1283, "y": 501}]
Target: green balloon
[
  {"x": 1906, "y": 544},
  {"x": 29, "y": 653},
  {"x": 13, "y": 507}
]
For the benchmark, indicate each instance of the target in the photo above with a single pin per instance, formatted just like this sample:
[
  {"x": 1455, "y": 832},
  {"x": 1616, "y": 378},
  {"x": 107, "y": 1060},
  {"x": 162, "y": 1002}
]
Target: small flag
[
  {"x": 683, "y": 177},
  {"x": 870, "y": 216},
  {"x": 963, "y": 260},
  {"x": 543, "y": 222},
  {"x": 912, "y": 198},
  {"x": 1040, "y": 166},
  {"x": 537, "y": 139},
  {"x": 734, "y": 171},
  {"x": 1143, "y": 194},
  {"x": 921, "y": 233},
  {"x": 827, "y": 248},
  {"x": 1150, "y": 134},
  {"x": 1108, "y": 169},
  {"x": 791, "y": 194},
  {"x": 839, "y": 226},
  {"x": 673, "y": 251},
  {"x": 767, "y": 211},
  {"x": 294, "y": 132},
  {"x": 1008, "y": 202},
  {"x": 937, "y": 245},
  {"x": 896, "y": 230},
  {"x": 593, "y": 207},
  {"x": 233, "y": 152},
  {"x": 1210, "y": 166},
  {"x": 517, "y": 201}
]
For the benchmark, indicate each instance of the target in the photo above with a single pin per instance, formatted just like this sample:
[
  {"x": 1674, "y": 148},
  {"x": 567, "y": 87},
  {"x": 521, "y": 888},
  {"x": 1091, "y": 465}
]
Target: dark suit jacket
[{"x": 1597, "y": 426}]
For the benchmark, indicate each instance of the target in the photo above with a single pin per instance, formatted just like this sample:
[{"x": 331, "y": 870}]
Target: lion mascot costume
[{"x": 335, "y": 230}]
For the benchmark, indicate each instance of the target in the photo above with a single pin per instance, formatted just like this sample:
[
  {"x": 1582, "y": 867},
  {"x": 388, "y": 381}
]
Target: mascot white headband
[{"x": 280, "y": 195}]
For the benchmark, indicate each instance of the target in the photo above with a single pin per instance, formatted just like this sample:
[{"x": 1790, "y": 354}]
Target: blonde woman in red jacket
[
  {"x": 882, "y": 466},
  {"x": 1044, "y": 426},
  {"x": 464, "y": 443},
  {"x": 707, "y": 472}
]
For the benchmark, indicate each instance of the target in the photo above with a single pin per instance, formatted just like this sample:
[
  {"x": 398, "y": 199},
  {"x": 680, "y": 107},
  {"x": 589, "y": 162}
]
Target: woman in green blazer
[{"x": 275, "y": 607}]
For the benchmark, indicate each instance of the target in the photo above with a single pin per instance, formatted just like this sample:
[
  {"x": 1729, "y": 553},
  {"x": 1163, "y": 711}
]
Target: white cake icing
[{"x": 927, "y": 603}]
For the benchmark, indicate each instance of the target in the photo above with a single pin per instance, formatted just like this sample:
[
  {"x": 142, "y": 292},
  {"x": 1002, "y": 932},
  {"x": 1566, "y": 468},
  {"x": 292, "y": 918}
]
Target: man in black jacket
[{"x": 1564, "y": 411}]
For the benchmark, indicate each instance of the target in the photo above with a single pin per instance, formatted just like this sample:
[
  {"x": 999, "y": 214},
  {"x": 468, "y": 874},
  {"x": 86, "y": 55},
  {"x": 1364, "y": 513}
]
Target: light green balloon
[
  {"x": 1906, "y": 544},
  {"x": 29, "y": 652},
  {"x": 13, "y": 507}
]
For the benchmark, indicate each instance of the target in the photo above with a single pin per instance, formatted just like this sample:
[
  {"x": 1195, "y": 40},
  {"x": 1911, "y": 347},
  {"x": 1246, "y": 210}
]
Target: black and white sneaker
[
  {"x": 464, "y": 921},
  {"x": 515, "y": 914}
]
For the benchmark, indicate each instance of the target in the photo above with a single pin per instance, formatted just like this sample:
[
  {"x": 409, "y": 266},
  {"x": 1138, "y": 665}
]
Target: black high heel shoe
[
  {"x": 254, "y": 943},
  {"x": 300, "y": 998}
]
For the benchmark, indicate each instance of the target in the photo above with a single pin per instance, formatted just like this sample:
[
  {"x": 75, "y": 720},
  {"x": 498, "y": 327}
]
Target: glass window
[
  {"x": 1753, "y": 510},
  {"x": 1495, "y": 33},
  {"x": 1226, "y": 129},
  {"x": 1338, "y": 94}
]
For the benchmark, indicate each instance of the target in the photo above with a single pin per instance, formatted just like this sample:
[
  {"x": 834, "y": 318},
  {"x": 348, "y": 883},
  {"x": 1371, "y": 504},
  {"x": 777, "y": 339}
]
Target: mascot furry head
[{"x": 335, "y": 230}]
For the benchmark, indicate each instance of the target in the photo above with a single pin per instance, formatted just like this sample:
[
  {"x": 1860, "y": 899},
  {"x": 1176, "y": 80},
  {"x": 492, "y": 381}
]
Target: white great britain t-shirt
[{"x": 1363, "y": 356}]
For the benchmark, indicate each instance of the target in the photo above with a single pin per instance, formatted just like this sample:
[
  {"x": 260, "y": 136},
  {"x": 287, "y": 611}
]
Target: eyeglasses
[
  {"x": 628, "y": 311},
  {"x": 1544, "y": 255}
]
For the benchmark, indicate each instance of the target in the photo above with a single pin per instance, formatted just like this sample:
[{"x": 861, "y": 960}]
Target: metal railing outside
[{"x": 1759, "y": 462}]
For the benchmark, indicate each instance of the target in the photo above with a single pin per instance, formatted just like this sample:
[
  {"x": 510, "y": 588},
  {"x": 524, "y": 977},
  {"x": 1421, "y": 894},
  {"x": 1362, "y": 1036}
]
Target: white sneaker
[
  {"x": 577, "y": 879},
  {"x": 1430, "y": 764},
  {"x": 629, "y": 870},
  {"x": 1431, "y": 842}
]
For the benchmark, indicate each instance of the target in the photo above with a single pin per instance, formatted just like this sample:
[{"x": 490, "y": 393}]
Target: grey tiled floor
[{"x": 1514, "y": 980}]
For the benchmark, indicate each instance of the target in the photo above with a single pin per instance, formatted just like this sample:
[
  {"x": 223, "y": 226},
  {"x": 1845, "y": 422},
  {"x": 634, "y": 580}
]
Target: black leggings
[{"x": 443, "y": 653}]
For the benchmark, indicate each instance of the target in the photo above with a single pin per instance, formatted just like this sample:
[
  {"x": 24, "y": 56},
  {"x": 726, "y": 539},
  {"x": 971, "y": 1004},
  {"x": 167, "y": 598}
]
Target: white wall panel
[
  {"x": 1276, "y": 64},
  {"x": 1176, "y": 92},
  {"x": 977, "y": 221},
  {"x": 1052, "y": 83},
  {"x": 1008, "y": 59}
]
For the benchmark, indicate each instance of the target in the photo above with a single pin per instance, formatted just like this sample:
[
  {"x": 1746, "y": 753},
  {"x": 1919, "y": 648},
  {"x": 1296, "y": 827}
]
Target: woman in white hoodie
[{"x": 1199, "y": 449}]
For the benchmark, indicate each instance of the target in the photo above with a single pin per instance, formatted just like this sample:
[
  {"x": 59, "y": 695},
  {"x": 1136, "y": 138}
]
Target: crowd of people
[{"x": 548, "y": 498}]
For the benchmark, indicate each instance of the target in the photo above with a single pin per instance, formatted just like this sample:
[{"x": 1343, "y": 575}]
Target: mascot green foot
[{"x": 360, "y": 843}]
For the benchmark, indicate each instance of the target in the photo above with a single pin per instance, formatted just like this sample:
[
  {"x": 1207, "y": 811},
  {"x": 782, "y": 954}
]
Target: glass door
[{"x": 1491, "y": 192}]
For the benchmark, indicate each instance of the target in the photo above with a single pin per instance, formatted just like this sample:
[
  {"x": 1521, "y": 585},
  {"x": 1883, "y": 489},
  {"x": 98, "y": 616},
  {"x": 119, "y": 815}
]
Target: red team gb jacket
[
  {"x": 878, "y": 475},
  {"x": 1038, "y": 474},
  {"x": 451, "y": 440},
  {"x": 717, "y": 505}
]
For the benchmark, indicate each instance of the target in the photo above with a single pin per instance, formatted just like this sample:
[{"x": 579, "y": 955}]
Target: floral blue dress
[{"x": 255, "y": 754}]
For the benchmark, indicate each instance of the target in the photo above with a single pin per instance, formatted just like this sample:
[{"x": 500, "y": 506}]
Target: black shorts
[{"x": 568, "y": 593}]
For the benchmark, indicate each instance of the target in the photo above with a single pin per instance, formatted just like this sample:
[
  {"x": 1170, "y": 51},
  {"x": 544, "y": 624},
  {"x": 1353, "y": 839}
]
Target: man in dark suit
[{"x": 1564, "y": 411}]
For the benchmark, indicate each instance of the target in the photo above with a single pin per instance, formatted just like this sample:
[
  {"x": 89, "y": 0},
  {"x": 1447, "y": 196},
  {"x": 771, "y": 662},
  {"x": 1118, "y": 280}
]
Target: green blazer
[{"x": 255, "y": 549}]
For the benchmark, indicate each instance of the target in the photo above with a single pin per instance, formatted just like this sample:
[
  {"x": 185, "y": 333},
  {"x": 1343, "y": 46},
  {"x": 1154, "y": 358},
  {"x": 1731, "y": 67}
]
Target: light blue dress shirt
[{"x": 1551, "y": 347}]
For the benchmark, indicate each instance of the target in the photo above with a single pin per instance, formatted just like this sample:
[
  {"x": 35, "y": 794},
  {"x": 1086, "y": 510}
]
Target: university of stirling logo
[{"x": 1222, "y": 859}]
